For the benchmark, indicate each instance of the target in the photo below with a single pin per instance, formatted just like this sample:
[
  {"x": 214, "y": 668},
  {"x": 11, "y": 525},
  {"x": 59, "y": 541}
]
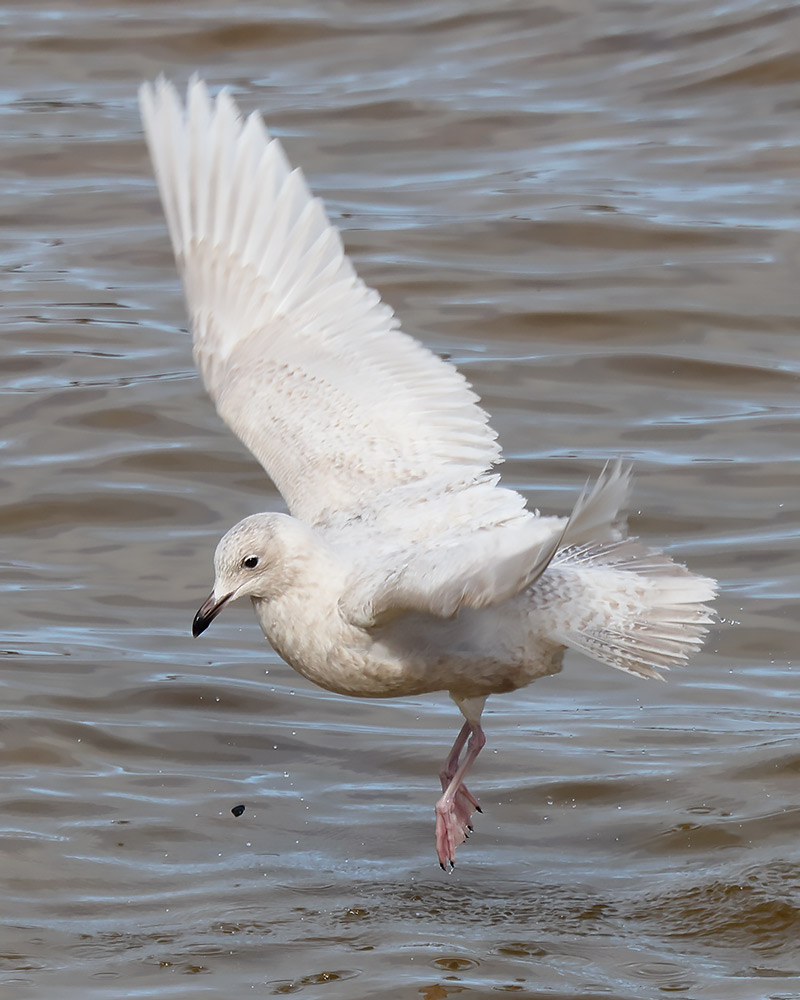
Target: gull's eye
[{"x": 250, "y": 562}]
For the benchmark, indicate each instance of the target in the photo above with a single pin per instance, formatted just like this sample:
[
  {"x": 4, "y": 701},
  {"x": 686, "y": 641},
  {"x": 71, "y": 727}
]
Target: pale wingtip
[{"x": 150, "y": 92}]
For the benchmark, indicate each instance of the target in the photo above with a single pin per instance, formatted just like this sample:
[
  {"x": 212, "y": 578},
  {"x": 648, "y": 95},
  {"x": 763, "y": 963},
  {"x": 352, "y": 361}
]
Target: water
[{"x": 594, "y": 212}]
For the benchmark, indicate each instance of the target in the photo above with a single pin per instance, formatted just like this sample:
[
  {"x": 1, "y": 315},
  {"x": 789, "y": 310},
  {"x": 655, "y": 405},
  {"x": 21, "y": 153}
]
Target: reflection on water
[{"x": 594, "y": 213}]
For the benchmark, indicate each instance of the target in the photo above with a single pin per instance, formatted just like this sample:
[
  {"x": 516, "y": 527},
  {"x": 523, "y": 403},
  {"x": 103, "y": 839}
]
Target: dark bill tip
[{"x": 207, "y": 613}]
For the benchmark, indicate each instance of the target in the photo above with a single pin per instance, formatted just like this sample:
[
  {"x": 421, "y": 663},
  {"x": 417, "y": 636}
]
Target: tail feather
[{"x": 626, "y": 605}]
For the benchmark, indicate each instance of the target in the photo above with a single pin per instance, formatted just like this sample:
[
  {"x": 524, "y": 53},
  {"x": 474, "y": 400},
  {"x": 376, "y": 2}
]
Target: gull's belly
[{"x": 475, "y": 654}]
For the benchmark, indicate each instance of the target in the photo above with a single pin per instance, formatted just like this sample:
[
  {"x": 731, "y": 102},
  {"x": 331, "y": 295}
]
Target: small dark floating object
[{"x": 237, "y": 810}]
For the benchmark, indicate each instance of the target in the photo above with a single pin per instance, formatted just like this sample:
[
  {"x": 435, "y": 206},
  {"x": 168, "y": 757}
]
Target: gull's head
[{"x": 251, "y": 560}]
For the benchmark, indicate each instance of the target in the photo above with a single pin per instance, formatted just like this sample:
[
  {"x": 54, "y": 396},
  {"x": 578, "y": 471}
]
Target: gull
[{"x": 404, "y": 567}]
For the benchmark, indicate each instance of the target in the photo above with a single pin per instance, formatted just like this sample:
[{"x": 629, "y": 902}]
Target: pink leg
[
  {"x": 448, "y": 772},
  {"x": 455, "y": 807},
  {"x": 451, "y": 765}
]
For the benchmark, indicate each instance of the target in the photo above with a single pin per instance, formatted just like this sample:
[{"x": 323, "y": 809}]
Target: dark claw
[
  {"x": 479, "y": 809},
  {"x": 441, "y": 865},
  {"x": 470, "y": 828}
]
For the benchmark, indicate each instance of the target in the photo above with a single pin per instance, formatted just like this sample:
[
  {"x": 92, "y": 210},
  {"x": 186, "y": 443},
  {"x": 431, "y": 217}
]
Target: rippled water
[{"x": 593, "y": 209}]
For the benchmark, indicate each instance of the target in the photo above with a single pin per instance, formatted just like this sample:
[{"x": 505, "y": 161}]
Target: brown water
[{"x": 593, "y": 209}]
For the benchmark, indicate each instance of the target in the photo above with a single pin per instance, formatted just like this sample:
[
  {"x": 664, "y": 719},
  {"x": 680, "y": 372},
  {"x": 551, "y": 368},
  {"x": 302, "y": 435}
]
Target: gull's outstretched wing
[{"x": 303, "y": 361}]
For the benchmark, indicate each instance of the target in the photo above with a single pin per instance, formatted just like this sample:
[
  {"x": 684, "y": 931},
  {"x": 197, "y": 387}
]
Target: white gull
[{"x": 404, "y": 566}]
